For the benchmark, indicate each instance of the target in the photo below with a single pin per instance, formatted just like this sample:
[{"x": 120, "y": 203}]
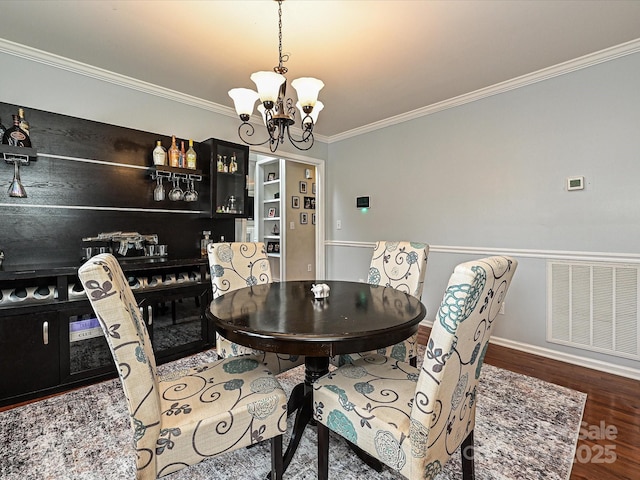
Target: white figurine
[{"x": 320, "y": 290}]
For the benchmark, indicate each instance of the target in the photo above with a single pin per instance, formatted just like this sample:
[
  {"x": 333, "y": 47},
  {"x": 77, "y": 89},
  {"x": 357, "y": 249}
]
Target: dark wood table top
[{"x": 285, "y": 318}]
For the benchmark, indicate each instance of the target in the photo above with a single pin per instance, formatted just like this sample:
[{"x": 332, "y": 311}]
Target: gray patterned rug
[{"x": 525, "y": 428}]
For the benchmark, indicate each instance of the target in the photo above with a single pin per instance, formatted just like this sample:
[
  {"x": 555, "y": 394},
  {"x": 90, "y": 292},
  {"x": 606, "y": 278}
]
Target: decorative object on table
[
  {"x": 413, "y": 419},
  {"x": 303, "y": 187},
  {"x": 184, "y": 419},
  {"x": 236, "y": 265},
  {"x": 320, "y": 290},
  {"x": 276, "y": 229},
  {"x": 295, "y": 202},
  {"x": 278, "y": 112},
  {"x": 401, "y": 265},
  {"x": 272, "y": 212}
]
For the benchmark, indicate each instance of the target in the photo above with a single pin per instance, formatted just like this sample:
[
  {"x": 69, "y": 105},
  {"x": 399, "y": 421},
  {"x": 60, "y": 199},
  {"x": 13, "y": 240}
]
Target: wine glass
[
  {"x": 176, "y": 192},
  {"x": 158, "y": 192},
  {"x": 191, "y": 195}
]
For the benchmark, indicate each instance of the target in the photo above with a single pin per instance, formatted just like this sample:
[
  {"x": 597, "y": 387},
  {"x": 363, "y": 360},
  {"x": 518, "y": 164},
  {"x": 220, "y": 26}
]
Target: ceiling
[{"x": 378, "y": 59}]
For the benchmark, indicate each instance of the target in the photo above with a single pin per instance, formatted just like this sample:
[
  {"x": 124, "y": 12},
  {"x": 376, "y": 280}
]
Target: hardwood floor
[{"x": 609, "y": 444}]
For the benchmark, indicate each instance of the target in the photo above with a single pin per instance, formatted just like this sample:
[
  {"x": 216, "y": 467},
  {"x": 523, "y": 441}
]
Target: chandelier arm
[
  {"x": 250, "y": 130},
  {"x": 307, "y": 137}
]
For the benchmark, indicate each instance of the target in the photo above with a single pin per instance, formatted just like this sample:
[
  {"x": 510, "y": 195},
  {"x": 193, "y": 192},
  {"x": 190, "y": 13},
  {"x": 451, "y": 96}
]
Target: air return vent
[{"x": 594, "y": 306}]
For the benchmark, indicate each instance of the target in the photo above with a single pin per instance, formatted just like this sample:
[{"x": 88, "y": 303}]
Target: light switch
[
  {"x": 339, "y": 225},
  {"x": 292, "y": 225}
]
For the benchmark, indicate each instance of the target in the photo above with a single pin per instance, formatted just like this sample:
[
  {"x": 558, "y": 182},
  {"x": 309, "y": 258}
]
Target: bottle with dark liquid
[
  {"x": 15, "y": 136},
  {"x": 24, "y": 125},
  {"x": 2, "y": 130}
]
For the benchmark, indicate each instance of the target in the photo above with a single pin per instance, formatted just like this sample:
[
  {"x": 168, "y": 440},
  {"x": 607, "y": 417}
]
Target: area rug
[{"x": 525, "y": 428}]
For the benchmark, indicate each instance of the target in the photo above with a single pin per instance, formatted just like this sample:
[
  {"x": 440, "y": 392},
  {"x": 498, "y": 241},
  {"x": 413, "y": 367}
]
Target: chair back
[
  {"x": 123, "y": 326},
  {"x": 236, "y": 265},
  {"x": 444, "y": 406},
  {"x": 401, "y": 265}
]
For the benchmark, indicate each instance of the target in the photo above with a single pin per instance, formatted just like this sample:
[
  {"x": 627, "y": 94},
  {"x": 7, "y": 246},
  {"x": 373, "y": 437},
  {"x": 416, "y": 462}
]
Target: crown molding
[
  {"x": 63, "y": 63},
  {"x": 79, "y": 68},
  {"x": 564, "y": 68}
]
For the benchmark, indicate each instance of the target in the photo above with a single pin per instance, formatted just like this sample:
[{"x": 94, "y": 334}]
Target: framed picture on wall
[
  {"x": 313, "y": 219},
  {"x": 295, "y": 202},
  {"x": 304, "y": 218},
  {"x": 272, "y": 212},
  {"x": 303, "y": 187},
  {"x": 310, "y": 203},
  {"x": 313, "y": 188}
]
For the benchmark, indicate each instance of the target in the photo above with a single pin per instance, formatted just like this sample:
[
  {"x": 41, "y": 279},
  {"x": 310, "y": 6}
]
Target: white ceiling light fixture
[{"x": 278, "y": 112}]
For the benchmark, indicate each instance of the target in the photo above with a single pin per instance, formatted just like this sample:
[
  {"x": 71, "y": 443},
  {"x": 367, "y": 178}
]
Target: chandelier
[{"x": 278, "y": 111}]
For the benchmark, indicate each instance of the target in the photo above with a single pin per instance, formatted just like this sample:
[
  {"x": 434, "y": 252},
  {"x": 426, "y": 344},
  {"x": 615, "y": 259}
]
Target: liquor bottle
[
  {"x": 191, "y": 156},
  {"x": 204, "y": 243},
  {"x": 182, "y": 160},
  {"x": 15, "y": 136},
  {"x": 24, "y": 125},
  {"x": 174, "y": 153},
  {"x": 159, "y": 154},
  {"x": 233, "y": 165},
  {"x": 225, "y": 167},
  {"x": 2, "y": 130},
  {"x": 220, "y": 165}
]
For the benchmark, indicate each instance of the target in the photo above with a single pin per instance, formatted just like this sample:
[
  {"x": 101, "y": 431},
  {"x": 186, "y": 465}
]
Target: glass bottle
[
  {"x": 159, "y": 154},
  {"x": 15, "y": 136},
  {"x": 220, "y": 164},
  {"x": 233, "y": 165},
  {"x": 174, "y": 153},
  {"x": 225, "y": 164},
  {"x": 182, "y": 160},
  {"x": 24, "y": 125},
  {"x": 191, "y": 156},
  {"x": 2, "y": 130},
  {"x": 204, "y": 242}
]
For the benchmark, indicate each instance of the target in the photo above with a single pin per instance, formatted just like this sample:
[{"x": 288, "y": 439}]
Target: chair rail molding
[{"x": 515, "y": 252}]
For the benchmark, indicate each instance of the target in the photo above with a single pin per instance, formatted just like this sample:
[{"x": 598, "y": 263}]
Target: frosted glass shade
[
  {"x": 263, "y": 112},
  {"x": 243, "y": 99},
  {"x": 268, "y": 85},
  {"x": 314, "y": 114},
  {"x": 307, "y": 89}
]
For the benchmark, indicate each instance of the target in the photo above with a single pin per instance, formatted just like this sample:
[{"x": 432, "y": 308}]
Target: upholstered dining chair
[
  {"x": 401, "y": 265},
  {"x": 413, "y": 419},
  {"x": 192, "y": 414},
  {"x": 243, "y": 264}
]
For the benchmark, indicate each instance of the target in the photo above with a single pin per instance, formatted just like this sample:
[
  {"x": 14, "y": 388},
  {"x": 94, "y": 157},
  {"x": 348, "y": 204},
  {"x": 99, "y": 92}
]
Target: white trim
[
  {"x": 633, "y": 258},
  {"x": 599, "y": 365},
  {"x": 98, "y": 208},
  {"x": 570, "y": 66},
  {"x": 56, "y": 61},
  {"x": 79, "y": 68}
]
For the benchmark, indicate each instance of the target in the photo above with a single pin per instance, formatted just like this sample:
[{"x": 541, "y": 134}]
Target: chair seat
[
  {"x": 373, "y": 396},
  {"x": 276, "y": 362},
  {"x": 250, "y": 406}
]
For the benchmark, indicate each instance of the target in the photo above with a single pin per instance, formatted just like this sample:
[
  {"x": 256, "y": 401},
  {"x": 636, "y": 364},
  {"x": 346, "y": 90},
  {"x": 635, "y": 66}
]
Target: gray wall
[{"x": 489, "y": 176}]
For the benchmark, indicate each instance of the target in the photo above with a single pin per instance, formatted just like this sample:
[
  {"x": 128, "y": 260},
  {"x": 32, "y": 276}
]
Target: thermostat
[
  {"x": 362, "y": 202},
  {"x": 575, "y": 183}
]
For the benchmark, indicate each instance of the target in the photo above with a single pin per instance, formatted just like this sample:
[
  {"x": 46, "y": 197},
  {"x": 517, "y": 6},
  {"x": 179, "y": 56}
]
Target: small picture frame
[
  {"x": 273, "y": 247},
  {"x": 304, "y": 218},
  {"x": 295, "y": 202},
  {"x": 272, "y": 212},
  {"x": 313, "y": 219},
  {"x": 310, "y": 203},
  {"x": 271, "y": 176},
  {"x": 313, "y": 188},
  {"x": 303, "y": 187}
]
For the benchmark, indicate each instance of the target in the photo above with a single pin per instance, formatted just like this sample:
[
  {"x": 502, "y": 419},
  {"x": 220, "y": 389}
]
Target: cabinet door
[
  {"x": 228, "y": 173},
  {"x": 29, "y": 353}
]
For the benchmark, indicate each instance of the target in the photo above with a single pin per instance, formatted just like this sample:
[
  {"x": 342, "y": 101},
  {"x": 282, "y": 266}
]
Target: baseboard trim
[{"x": 599, "y": 365}]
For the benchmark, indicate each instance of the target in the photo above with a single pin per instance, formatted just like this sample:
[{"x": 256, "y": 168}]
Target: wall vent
[{"x": 594, "y": 306}]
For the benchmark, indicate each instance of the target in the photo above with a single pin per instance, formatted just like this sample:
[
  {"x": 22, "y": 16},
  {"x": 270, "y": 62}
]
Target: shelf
[
  {"x": 271, "y": 218},
  {"x": 13, "y": 154},
  {"x": 273, "y": 200},
  {"x": 272, "y": 182},
  {"x": 275, "y": 255},
  {"x": 272, "y": 237}
]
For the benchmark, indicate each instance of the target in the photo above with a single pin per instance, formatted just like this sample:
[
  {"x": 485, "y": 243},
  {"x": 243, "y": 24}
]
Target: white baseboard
[{"x": 599, "y": 365}]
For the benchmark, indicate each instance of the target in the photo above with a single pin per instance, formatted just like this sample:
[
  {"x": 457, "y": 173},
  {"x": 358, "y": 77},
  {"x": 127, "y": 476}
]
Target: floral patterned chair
[
  {"x": 236, "y": 265},
  {"x": 193, "y": 414},
  {"x": 401, "y": 265},
  {"x": 413, "y": 419}
]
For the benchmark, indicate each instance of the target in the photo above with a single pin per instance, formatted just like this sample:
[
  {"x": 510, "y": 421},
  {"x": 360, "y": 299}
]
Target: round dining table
[{"x": 285, "y": 317}]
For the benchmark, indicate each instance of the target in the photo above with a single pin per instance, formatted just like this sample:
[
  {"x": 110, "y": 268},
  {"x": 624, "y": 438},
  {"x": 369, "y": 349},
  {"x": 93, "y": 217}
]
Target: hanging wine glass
[
  {"x": 191, "y": 195},
  {"x": 158, "y": 192},
  {"x": 176, "y": 192}
]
